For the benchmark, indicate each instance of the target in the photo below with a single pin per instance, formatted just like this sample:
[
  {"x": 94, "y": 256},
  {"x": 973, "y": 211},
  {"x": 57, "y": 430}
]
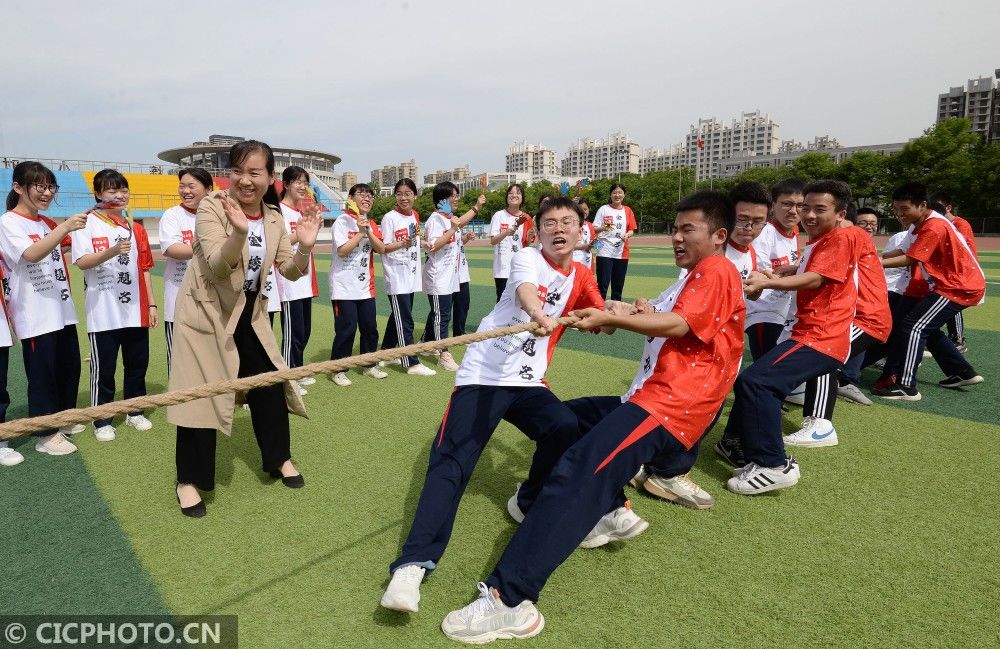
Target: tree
[
  {"x": 814, "y": 166},
  {"x": 868, "y": 175},
  {"x": 942, "y": 158}
]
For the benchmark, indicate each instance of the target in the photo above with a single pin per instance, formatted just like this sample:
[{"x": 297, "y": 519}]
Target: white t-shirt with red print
[
  {"x": 441, "y": 266},
  {"x": 503, "y": 221},
  {"x": 774, "y": 249},
  {"x": 587, "y": 234},
  {"x": 305, "y": 286},
  {"x": 611, "y": 225},
  {"x": 177, "y": 225},
  {"x": 401, "y": 268},
  {"x": 352, "y": 277}
]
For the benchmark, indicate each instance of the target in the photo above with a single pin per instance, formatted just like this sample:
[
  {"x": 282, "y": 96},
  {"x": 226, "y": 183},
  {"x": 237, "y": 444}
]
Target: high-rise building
[
  {"x": 456, "y": 175},
  {"x": 533, "y": 159},
  {"x": 347, "y": 180},
  {"x": 604, "y": 158},
  {"x": 979, "y": 101},
  {"x": 660, "y": 160},
  {"x": 734, "y": 165},
  {"x": 389, "y": 175}
]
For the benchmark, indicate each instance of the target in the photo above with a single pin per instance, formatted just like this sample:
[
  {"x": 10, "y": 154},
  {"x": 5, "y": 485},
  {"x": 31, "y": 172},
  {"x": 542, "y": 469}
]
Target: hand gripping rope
[{"x": 20, "y": 427}]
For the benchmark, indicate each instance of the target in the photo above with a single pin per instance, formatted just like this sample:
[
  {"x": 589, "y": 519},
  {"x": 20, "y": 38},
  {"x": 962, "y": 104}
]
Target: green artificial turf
[{"x": 888, "y": 540}]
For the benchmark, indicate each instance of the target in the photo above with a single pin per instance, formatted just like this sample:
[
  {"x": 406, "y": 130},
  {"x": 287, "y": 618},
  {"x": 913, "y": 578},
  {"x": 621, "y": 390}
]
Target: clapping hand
[
  {"x": 234, "y": 213},
  {"x": 308, "y": 227}
]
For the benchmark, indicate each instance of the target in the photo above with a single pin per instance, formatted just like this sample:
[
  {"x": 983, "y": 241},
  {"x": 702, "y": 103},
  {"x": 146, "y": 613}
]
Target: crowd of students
[{"x": 812, "y": 319}]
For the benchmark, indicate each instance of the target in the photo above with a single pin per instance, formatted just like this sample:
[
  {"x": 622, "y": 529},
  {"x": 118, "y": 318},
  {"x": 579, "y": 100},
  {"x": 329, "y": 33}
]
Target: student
[
  {"x": 815, "y": 342},
  {"x": 588, "y": 237},
  {"x": 461, "y": 299},
  {"x": 221, "y": 330},
  {"x": 871, "y": 326},
  {"x": 352, "y": 281},
  {"x": 113, "y": 253},
  {"x": 296, "y": 297},
  {"x": 508, "y": 234},
  {"x": 440, "y": 273},
  {"x": 956, "y": 326},
  {"x": 177, "y": 240},
  {"x": 615, "y": 224},
  {"x": 8, "y": 456},
  {"x": 32, "y": 250},
  {"x": 667, "y": 477},
  {"x": 501, "y": 379},
  {"x": 777, "y": 248},
  {"x": 401, "y": 273},
  {"x": 691, "y": 357},
  {"x": 956, "y": 282}
]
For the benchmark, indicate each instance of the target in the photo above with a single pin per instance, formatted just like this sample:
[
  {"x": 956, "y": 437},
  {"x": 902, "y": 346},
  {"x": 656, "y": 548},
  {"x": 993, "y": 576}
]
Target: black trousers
[
  {"x": 195, "y": 451},
  {"x": 399, "y": 329},
  {"x": 460, "y": 301},
  {"x": 821, "y": 392},
  {"x": 52, "y": 366},
  {"x": 4, "y": 395},
  {"x": 296, "y": 326},
  {"x": 350, "y": 316},
  {"x": 133, "y": 342},
  {"x": 611, "y": 272},
  {"x": 762, "y": 337},
  {"x": 501, "y": 284}
]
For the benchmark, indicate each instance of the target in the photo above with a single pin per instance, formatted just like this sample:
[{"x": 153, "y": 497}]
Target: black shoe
[
  {"x": 896, "y": 391},
  {"x": 196, "y": 510},
  {"x": 731, "y": 450},
  {"x": 958, "y": 380},
  {"x": 294, "y": 481}
]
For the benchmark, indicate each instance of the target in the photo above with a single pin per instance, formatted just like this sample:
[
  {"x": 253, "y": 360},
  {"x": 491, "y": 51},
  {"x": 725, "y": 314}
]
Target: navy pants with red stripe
[
  {"x": 585, "y": 484},
  {"x": 759, "y": 390},
  {"x": 473, "y": 413},
  {"x": 921, "y": 327},
  {"x": 52, "y": 366}
]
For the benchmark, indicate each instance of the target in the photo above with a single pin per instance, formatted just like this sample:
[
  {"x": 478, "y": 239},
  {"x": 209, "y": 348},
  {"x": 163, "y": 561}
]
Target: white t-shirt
[
  {"x": 112, "y": 290},
  {"x": 177, "y": 225},
  {"x": 774, "y": 250},
  {"x": 306, "y": 286},
  {"x": 522, "y": 359},
  {"x": 401, "y": 268},
  {"x": 441, "y": 266},
  {"x": 258, "y": 250},
  {"x": 898, "y": 278},
  {"x": 5, "y": 338},
  {"x": 39, "y": 299},
  {"x": 272, "y": 291},
  {"x": 611, "y": 243},
  {"x": 463, "y": 265},
  {"x": 352, "y": 277},
  {"x": 503, "y": 252},
  {"x": 587, "y": 234},
  {"x": 745, "y": 261}
]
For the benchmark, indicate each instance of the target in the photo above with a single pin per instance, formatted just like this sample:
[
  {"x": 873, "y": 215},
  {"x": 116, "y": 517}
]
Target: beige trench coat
[{"x": 209, "y": 305}]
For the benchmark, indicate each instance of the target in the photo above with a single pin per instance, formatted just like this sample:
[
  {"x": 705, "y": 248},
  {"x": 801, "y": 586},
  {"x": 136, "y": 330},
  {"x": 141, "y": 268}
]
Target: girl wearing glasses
[
  {"x": 114, "y": 255},
  {"x": 39, "y": 304}
]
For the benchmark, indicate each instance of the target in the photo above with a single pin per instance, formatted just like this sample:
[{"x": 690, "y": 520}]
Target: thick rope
[{"x": 72, "y": 416}]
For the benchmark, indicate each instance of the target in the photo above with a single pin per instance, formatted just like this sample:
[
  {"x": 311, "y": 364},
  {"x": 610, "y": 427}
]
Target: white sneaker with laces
[
  {"x": 513, "y": 508},
  {"x": 72, "y": 430},
  {"x": 854, "y": 394},
  {"x": 9, "y": 456},
  {"x": 309, "y": 380},
  {"x": 620, "y": 525},
  {"x": 815, "y": 431},
  {"x": 797, "y": 396},
  {"x": 420, "y": 370},
  {"x": 753, "y": 479},
  {"x": 55, "y": 444},
  {"x": 138, "y": 422},
  {"x": 340, "y": 378},
  {"x": 403, "y": 591},
  {"x": 105, "y": 433},
  {"x": 447, "y": 362},
  {"x": 487, "y": 619},
  {"x": 375, "y": 372},
  {"x": 680, "y": 490}
]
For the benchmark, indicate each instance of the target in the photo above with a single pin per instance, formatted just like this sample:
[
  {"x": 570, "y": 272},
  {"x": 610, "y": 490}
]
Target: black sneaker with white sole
[
  {"x": 896, "y": 391},
  {"x": 730, "y": 449},
  {"x": 958, "y": 380}
]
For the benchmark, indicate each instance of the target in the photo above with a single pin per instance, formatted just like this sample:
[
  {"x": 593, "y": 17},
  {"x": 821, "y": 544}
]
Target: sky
[{"x": 454, "y": 83}]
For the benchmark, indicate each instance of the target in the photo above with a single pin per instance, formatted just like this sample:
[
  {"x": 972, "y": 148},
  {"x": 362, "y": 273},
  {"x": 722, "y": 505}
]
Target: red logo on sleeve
[
  {"x": 542, "y": 293},
  {"x": 100, "y": 244},
  {"x": 187, "y": 237}
]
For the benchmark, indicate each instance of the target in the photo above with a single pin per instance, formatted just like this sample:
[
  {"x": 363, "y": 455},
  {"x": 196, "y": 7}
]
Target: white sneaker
[
  {"x": 512, "y": 507},
  {"x": 375, "y": 372},
  {"x": 72, "y": 430},
  {"x": 433, "y": 352},
  {"x": 880, "y": 364},
  {"x": 105, "y": 433},
  {"x": 639, "y": 478},
  {"x": 403, "y": 591},
  {"x": 309, "y": 380},
  {"x": 9, "y": 456},
  {"x": 138, "y": 422},
  {"x": 302, "y": 391},
  {"x": 420, "y": 370},
  {"x": 755, "y": 479},
  {"x": 680, "y": 490},
  {"x": 928, "y": 354},
  {"x": 815, "y": 431},
  {"x": 55, "y": 444},
  {"x": 620, "y": 525},
  {"x": 487, "y": 619},
  {"x": 854, "y": 394},
  {"x": 797, "y": 396},
  {"x": 447, "y": 361},
  {"x": 340, "y": 378}
]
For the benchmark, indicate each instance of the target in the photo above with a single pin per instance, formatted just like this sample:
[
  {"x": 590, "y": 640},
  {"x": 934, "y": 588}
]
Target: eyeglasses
[
  {"x": 362, "y": 196},
  {"x": 551, "y": 224},
  {"x": 749, "y": 225},
  {"x": 41, "y": 189},
  {"x": 788, "y": 205},
  {"x": 405, "y": 194},
  {"x": 300, "y": 183}
]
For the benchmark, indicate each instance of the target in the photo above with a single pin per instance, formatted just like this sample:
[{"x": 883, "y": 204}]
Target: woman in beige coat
[{"x": 221, "y": 328}]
